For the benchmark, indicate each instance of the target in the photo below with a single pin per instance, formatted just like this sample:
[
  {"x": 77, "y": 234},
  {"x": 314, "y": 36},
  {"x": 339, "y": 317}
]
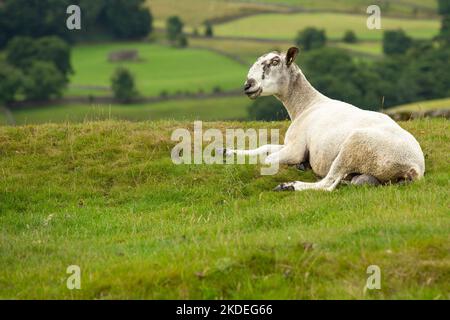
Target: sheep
[{"x": 339, "y": 140}]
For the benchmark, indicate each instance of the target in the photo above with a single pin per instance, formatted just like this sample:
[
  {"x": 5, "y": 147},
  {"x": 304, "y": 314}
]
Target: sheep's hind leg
[{"x": 337, "y": 172}]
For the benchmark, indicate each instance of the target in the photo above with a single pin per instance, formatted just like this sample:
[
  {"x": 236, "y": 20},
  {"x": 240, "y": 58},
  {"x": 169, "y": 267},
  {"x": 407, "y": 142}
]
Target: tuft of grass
[{"x": 105, "y": 196}]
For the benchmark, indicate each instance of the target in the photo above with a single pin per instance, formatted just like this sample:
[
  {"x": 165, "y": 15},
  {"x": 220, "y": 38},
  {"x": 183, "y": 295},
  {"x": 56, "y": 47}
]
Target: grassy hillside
[
  {"x": 371, "y": 48},
  {"x": 160, "y": 69},
  {"x": 105, "y": 196},
  {"x": 282, "y": 26},
  {"x": 247, "y": 50},
  {"x": 228, "y": 108},
  {"x": 195, "y": 12},
  {"x": 423, "y": 105},
  {"x": 391, "y": 6}
]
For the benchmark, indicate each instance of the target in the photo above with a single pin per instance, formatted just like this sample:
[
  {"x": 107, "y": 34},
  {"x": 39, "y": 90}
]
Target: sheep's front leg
[{"x": 266, "y": 149}]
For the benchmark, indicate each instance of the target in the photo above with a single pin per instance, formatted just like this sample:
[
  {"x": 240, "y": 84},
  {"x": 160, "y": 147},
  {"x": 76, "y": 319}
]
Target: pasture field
[
  {"x": 195, "y": 12},
  {"x": 286, "y": 26},
  {"x": 246, "y": 50},
  {"x": 161, "y": 69},
  {"x": 226, "y": 108},
  {"x": 249, "y": 50},
  {"x": 105, "y": 196},
  {"x": 423, "y": 105},
  {"x": 370, "y": 48},
  {"x": 394, "y": 7}
]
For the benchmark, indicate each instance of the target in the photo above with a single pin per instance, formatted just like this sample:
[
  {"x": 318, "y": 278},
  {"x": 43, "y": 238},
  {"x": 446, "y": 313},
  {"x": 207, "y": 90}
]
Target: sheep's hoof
[
  {"x": 304, "y": 166},
  {"x": 365, "y": 179},
  {"x": 284, "y": 187}
]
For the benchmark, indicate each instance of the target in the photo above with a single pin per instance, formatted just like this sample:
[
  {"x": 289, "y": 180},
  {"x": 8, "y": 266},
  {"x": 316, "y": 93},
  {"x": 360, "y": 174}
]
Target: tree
[
  {"x": 33, "y": 18},
  {"x": 10, "y": 82},
  {"x": 174, "y": 27},
  {"x": 57, "y": 51},
  {"x": 311, "y": 38},
  {"x": 426, "y": 77},
  {"x": 123, "y": 19},
  {"x": 444, "y": 34},
  {"x": 123, "y": 85},
  {"x": 396, "y": 42},
  {"x": 350, "y": 37},
  {"x": 128, "y": 19},
  {"x": 182, "y": 41},
  {"x": 21, "y": 52},
  {"x": 267, "y": 109},
  {"x": 389, "y": 70},
  {"x": 333, "y": 72},
  {"x": 209, "y": 33},
  {"x": 43, "y": 81},
  {"x": 444, "y": 7}
]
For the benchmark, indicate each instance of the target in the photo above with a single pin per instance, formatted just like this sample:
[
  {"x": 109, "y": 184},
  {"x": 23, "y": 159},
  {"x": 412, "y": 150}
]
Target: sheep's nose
[{"x": 250, "y": 83}]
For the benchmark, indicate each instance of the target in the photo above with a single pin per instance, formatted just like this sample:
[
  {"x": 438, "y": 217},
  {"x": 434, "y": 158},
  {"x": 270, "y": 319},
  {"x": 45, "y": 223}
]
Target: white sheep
[{"x": 339, "y": 140}]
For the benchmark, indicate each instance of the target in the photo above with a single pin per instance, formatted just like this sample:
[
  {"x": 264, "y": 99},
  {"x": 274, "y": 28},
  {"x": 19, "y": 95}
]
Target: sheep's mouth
[{"x": 254, "y": 94}]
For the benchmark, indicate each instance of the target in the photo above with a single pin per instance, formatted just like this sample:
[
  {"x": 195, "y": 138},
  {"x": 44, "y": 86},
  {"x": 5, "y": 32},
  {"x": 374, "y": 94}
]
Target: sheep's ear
[{"x": 291, "y": 55}]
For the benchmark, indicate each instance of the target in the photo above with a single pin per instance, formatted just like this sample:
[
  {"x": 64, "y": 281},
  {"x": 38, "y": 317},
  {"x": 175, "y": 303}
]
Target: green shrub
[
  {"x": 311, "y": 38},
  {"x": 350, "y": 37},
  {"x": 209, "y": 32},
  {"x": 43, "y": 81},
  {"x": 396, "y": 42},
  {"x": 123, "y": 86},
  {"x": 267, "y": 109},
  {"x": 174, "y": 27},
  {"x": 11, "y": 80}
]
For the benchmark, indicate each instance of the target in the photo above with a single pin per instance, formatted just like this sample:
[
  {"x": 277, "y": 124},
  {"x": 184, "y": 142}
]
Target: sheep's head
[{"x": 270, "y": 74}]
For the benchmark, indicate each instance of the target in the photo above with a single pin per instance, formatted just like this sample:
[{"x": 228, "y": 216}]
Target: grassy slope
[
  {"x": 372, "y": 48},
  {"x": 105, "y": 196},
  {"x": 402, "y": 7},
  {"x": 281, "y": 26},
  {"x": 248, "y": 51},
  {"x": 162, "y": 68},
  {"x": 229, "y": 108},
  {"x": 423, "y": 105},
  {"x": 195, "y": 12}
]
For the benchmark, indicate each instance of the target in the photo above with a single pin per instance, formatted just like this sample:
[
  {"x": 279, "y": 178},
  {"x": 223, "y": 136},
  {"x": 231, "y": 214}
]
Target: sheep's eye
[{"x": 275, "y": 62}]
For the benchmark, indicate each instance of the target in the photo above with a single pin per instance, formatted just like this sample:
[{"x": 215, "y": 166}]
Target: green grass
[
  {"x": 423, "y": 105},
  {"x": 106, "y": 196},
  {"x": 405, "y": 7},
  {"x": 371, "y": 48},
  {"x": 282, "y": 26},
  {"x": 161, "y": 69},
  {"x": 247, "y": 50},
  {"x": 195, "y": 12},
  {"x": 228, "y": 108}
]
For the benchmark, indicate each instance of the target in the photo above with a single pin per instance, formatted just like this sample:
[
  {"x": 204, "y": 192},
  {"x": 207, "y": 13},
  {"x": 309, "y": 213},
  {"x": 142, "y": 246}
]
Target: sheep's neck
[{"x": 299, "y": 95}]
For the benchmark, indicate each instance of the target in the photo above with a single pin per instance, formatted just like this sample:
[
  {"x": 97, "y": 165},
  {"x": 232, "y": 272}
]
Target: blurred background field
[
  {"x": 192, "y": 56},
  {"x": 159, "y": 69},
  {"x": 334, "y": 24}
]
